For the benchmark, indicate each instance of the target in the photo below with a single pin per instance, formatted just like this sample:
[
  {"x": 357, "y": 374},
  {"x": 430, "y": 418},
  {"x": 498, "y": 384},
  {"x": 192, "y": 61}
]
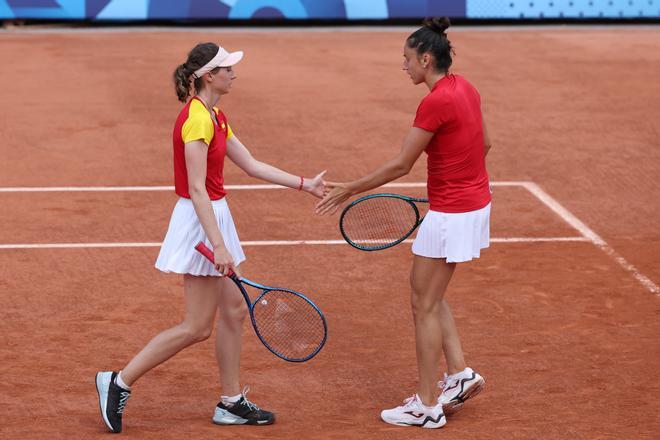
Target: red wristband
[{"x": 302, "y": 181}]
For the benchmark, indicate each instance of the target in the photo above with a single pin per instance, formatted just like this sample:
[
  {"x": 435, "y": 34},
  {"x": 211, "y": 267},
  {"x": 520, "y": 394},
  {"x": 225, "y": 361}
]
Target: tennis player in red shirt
[
  {"x": 449, "y": 127},
  {"x": 202, "y": 138}
]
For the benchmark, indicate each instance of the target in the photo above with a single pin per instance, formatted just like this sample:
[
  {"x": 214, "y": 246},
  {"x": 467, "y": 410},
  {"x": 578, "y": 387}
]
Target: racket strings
[
  {"x": 379, "y": 221},
  {"x": 289, "y": 324}
]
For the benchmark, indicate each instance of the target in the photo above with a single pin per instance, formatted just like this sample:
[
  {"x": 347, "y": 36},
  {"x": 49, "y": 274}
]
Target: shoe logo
[
  {"x": 417, "y": 416},
  {"x": 451, "y": 387}
]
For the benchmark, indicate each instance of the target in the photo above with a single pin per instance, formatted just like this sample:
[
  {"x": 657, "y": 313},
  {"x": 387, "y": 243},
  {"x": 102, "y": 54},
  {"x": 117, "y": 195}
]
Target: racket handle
[
  {"x": 204, "y": 250},
  {"x": 208, "y": 253}
]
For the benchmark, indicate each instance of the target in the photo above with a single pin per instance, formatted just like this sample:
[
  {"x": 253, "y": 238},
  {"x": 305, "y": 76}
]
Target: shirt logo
[{"x": 223, "y": 125}]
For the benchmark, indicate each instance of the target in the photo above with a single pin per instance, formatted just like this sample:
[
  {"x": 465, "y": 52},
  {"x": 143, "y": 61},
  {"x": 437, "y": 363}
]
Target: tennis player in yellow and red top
[
  {"x": 449, "y": 127},
  {"x": 202, "y": 138}
]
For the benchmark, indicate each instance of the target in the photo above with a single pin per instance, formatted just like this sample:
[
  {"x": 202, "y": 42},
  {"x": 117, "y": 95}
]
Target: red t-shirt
[
  {"x": 195, "y": 123},
  {"x": 457, "y": 177}
]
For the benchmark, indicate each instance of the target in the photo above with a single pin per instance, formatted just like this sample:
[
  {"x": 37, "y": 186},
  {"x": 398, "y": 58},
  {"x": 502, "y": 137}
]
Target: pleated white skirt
[
  {"x": 178, "y": 254},
  {"x": 458, "y": 237}
]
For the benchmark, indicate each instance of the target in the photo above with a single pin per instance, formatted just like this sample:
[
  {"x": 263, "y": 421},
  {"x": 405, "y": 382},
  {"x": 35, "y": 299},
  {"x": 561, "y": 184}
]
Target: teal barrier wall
[{"x": 103, "y": 10}]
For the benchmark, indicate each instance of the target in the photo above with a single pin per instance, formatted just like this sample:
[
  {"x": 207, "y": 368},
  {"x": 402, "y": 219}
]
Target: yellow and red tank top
[{"x": 195, "y": 123}]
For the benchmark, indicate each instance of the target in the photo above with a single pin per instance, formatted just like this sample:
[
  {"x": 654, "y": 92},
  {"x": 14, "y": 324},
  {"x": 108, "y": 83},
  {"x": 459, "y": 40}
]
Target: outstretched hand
[
  {"x": 335, "y": 195},
  {"x": 316, "y": 186}
]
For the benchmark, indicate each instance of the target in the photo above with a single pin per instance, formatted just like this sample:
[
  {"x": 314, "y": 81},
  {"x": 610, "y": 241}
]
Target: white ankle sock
[
  {"x": 121, "y": 383},
  {"x": 230, "y": 400}
]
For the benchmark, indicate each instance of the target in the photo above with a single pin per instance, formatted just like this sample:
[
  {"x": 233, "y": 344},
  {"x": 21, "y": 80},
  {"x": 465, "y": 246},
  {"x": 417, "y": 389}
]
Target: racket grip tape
[
  {"x": 208, "y": 253},
  {"x": 204, "y": 250}
]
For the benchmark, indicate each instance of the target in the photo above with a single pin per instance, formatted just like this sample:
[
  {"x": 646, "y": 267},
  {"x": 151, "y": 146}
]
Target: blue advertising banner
[{"x": 106, "y": 10}]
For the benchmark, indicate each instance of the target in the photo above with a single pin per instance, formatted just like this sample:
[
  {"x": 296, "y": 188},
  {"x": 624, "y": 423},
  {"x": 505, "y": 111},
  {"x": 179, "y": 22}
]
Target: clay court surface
[{"x": 564, "y": 327}]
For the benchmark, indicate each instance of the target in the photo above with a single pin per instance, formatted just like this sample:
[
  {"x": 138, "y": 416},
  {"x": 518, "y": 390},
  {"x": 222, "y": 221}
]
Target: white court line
[
  {"x": 15, "y": 189},
  {"x": 18, "y": 189},
  {"x": 262, "y": 243},
  {"x": 533, "y": 188},
  {"x": 588, "y": 233}
]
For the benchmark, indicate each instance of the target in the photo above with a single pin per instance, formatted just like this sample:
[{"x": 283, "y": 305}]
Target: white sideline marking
[
  {"x": 84, "y": 188},
  {"x": 77, "y": 245},
  {"x": 262, "y": 243},
  {"x": 589, "y": 234},
  {"x": 9, "y": 189}
]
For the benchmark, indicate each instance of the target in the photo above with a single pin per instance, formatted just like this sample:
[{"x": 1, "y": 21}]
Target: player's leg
[
  {"x": 462, "y": 382},
  {"x": 451, "y": 343},
  {"x": 232, "y": 313},
  {"x": 233, "y": 408},
  {"x": 429, "y": 280},
  {"x": 197, "y": 325},
  {"x": 201, "y": 304}
]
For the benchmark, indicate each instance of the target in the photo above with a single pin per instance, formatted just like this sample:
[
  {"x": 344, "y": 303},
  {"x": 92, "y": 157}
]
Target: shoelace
[
  {"x": 123, "y": 397},
  {"x": 410, "y": 400},
  {"x": 446, "y": 382},
  {"x": 246, "y": 402}
]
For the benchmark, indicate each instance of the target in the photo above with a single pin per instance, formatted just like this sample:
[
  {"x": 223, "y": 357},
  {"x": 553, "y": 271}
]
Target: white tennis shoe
[
  {"x": 458, "y": 388},
  {"x": 414, "y": 413}
]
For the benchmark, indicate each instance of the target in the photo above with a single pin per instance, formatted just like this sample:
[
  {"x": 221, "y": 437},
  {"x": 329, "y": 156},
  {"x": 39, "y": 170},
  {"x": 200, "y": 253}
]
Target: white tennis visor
[{"x": 221, "y": 59}]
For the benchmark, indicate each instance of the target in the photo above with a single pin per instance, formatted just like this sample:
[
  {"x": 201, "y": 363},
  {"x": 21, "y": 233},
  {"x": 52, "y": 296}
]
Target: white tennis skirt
[
  {"x": 178, "y": 254},
  {"x": 458, "y": 237}
]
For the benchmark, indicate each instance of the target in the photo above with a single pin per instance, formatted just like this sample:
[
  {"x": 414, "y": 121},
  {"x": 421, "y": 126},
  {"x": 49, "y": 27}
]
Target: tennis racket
[
  {"x": 380, "y": 221},
  {"x": 290, "y": 325}
]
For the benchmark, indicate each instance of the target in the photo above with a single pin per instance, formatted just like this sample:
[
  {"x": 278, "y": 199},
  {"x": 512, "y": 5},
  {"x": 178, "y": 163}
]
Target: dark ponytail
[
  {"x": 431, "y": 37},
  {"x": 437, "y": 24},
  {"x": 198, "y": 57},
  {"x": 182, "y": 82}
]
